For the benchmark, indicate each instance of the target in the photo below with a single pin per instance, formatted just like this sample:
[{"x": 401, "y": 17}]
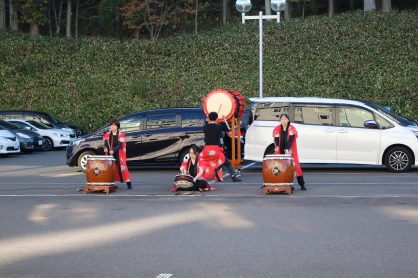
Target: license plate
[{"x": 40, "y": 142}]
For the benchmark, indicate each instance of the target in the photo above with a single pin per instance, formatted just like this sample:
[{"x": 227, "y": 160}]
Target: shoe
[
  {"x": 129, "y": 185},
  {"x": 235, "y": 179},
  {"x": 302, "y": 187},
  {"x": 237, "y": 173}
]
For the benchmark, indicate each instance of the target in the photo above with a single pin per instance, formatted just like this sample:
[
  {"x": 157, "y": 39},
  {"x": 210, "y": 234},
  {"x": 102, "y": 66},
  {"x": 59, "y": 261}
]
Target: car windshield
[
  {"x": 394, "y": 117},
  {"x": 9, "y": 125},
  {"x": 52, "y": 118},
  {"x": 38, "y": 125}
]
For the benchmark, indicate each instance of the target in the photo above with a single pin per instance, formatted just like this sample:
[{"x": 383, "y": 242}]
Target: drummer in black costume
[{"x": 191, "y": 167}]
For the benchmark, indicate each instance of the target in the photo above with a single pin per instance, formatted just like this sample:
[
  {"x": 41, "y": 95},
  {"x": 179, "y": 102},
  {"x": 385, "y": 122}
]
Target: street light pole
[{"x": 244, "y": 6}]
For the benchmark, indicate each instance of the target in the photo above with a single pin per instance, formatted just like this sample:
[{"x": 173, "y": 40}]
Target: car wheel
[
  {"x": 269, "y": 150},
  {"x": 398, "y": 160},
  {"x": 48, "y": 144},
  {"x": 82, "y": 160}
]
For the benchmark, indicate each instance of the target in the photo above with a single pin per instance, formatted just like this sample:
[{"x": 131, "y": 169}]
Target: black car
[
  {"x": 29, "y": 140},
  {"x": 43, "y": 117},
  {"x": 159, "y": 136}
]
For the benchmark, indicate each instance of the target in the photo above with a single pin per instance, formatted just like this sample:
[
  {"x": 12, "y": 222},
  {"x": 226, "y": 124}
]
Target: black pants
[
  {"x": 196, "y": 185},
  {"x": 228, "y": 165}
]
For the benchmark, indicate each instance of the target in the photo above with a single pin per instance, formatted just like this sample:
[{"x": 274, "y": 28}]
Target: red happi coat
[
  {"x": 211, "y": 158},
  {"x": 122, "y": 157},
  {"x": 295, "y": 156}
]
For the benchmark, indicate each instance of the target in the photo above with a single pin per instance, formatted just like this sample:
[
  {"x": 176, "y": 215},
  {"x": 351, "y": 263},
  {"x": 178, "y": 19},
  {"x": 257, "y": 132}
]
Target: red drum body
[
  {"x": 183, "y": 181},
  {"x": 100, "y": 170},
  {"x": 278, "y": 170},
  {"x": 240, "y": 102},
  {"x": 224, "y": 102}
]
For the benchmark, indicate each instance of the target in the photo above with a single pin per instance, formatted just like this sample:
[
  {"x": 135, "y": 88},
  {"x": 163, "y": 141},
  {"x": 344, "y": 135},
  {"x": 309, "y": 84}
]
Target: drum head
[{"x": 220, "y": 101}]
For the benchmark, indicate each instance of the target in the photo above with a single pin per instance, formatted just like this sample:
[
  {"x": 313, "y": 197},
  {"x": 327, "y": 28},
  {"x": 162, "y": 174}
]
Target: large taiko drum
[
  {"x": 240, "y": 103},
  {"x": 278, "y": 170},
  {"x": 183, "y": 181},
  {"x": 224, "y": 102},
  {"x": 100, "y": 170}
]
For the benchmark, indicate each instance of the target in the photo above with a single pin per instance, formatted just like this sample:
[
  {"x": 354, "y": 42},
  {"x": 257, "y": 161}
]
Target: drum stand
[
  {"x": 235, "y": 156},
  {"x": 278, "y": 189},
  {"x": 104, "y": 188}
]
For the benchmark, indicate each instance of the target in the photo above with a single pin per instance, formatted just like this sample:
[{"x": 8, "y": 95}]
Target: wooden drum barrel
[
  {"x": 100, "y": 170},
  {"x": 278, "y": 170}
]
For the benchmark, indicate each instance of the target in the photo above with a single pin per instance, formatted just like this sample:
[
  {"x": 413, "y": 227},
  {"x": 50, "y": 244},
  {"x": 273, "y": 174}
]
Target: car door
[
  {"x": 162, "y": 136},
  {"x": 130, "y": 125},
  {"x": 192, "y": 122},
  {"x": 356, "y": 143},
  {"x": 317, "y": 141}
]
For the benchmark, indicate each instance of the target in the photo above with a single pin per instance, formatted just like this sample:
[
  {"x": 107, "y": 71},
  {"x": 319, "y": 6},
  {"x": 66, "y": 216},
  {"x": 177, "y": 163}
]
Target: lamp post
[{"x": 244, "y": 6}]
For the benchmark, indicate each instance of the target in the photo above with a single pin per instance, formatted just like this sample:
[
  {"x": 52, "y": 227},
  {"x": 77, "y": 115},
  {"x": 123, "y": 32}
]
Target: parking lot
[{"x": 351, "y": 222}]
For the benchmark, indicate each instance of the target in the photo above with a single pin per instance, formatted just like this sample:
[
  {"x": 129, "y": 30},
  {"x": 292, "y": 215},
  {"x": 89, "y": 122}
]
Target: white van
[
  {"x": 9, "y": 143},
  {"x": 335, "y": 131}
]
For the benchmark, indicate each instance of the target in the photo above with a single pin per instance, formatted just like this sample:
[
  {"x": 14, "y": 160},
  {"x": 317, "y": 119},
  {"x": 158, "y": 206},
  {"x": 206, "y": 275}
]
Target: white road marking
[{"x": 163, "y": 275}]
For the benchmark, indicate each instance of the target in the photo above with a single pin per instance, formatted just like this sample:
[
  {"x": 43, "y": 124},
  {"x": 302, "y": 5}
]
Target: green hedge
[{"x": 88, "y": 81}]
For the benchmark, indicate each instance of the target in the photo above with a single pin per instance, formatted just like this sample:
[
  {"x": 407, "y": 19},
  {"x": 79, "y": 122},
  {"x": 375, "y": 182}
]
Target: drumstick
[{"x": 219, "y": 108}]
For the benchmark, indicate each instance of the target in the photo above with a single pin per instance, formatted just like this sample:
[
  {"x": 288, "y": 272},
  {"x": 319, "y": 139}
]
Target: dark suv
[
  {"x": 159, "y": 136},
  {"x": 43, "y": 117}
]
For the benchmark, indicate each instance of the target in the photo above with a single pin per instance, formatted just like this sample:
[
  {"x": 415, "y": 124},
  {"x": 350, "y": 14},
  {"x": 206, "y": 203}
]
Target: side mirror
[{"x": 371, "y": 124}]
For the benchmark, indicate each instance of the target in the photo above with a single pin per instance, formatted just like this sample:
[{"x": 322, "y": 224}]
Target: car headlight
[
  {"x": 61, "y": 135},
  {"x": 75, "y": 142},
  {"x": 22, "y": 135}
]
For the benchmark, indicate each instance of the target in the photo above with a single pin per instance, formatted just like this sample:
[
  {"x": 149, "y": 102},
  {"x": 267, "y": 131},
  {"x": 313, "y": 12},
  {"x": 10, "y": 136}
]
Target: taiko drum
[
  {"x": 100, "y": 170},
  {"x": 183, "y": 181},
  {"x": 224, "y": 102},
  {"x": 278, "y": 170}
]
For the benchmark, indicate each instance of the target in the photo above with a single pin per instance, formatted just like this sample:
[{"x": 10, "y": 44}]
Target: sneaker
[
  {"x": 237, "y": 173},
  {"x": 235, "y": 179}
]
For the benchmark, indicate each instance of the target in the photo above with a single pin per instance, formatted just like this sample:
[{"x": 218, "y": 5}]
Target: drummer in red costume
[
  {"x": 115, "y": 144},
  {"x": 212, "y": 156},
  {"x": 285, "y": 136}
]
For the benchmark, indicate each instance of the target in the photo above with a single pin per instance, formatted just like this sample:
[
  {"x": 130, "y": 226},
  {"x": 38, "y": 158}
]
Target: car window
[
  {"x": 354, "y": 117},
  {"x": 193, "y": 118},
  {"x": 270, "y": 113},
  {"x": 382, "y": 122},
  {"x": 22, "y": 125},
  {"x": 12, "y": 115},
  {"x": 9, "y": 125},
  {"x": 313, "y": 115},
  {"x": 131, "y": 123},
  {"x": 161, "y": 121}
]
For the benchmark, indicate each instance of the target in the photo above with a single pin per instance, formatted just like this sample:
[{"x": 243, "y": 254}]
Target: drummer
[
  {"x": 115, "y": 145},
  {"x": 192, "y": 168},
  {"x": 212, "y": 155},
  {"x": 285, "y": 136}
]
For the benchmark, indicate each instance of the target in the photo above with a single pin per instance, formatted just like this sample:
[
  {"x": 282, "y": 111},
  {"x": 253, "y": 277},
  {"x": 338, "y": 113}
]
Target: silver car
[{"x": 53, "y": 138}]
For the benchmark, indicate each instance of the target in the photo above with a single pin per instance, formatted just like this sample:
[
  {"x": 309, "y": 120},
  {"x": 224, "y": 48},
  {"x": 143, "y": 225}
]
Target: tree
[
  {"x": 68, "y": 29},
  {"x": 331, "y": 7},
  {"x": 387, "y": 5},
  {"x": 369, "y": 5},
  {"x": 13, "y": 16},
  {"x": 287, "y": 13},
  {"x": 110, "y": 15},
  {"x": 58, "y": 16},
  {"x": 151, "y": 14},
  {"x": 33, "y": 12},
  {"x": 2, "y": 14}
]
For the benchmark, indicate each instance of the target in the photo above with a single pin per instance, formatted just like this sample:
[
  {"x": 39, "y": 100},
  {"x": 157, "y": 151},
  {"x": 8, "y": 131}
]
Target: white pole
[
  {"x": 243, "y": 18},
  {"x": 261, "y": 52}
]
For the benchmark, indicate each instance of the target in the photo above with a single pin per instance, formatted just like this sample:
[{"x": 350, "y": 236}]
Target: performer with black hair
[{"x": 285, "y": 136}]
